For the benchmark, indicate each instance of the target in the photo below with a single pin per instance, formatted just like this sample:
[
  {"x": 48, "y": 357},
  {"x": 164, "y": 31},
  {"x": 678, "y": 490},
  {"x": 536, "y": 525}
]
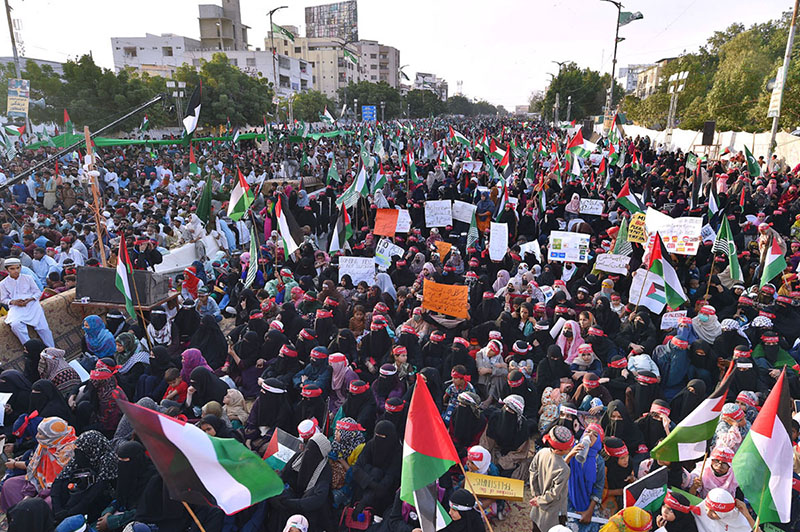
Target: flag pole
[
  {"x": 194, "y": 517},
  {"x": 96, "y": 197},
  {"x": 710, "y": 274},
  {"x": 139, "y": 308},
  {"x": 477, "y": 499},
  {"x": 705, "y": 457}
]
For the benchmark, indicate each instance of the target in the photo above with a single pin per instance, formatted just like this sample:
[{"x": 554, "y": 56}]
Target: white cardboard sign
[
  {"x": 568, "y": 247},
  {"x": 438, "y": 213},
  {"x": 592, "y": 206},
  {"x": 462, "y": 211},
  {"x": 498, "y": 241},
  {"x": 358, "y": 268},
  {"x": 609, "y": 262}
]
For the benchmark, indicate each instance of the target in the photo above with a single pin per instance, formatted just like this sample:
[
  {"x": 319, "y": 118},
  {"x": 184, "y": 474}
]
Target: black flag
[{"x": 192, "y": 117}]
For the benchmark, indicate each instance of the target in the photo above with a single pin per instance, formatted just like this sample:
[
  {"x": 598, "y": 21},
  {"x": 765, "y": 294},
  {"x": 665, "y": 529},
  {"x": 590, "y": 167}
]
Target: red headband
[
  {"x": 738, "y": 353},
  {"x": 671, "y": 502},
  {"x": 335, "y": 358},
  {"x": 736, "y": 414},
  {"x": 358, "y": 389},
  {"x": 322, "y": 313},
  {"x": 305, "y": 335},
  {"x": 558, "y": 445},
  {"x": 723, "y": 507},
  {"x": 461, "y": 341},
  {"x": 308, "y": 391},
  {"x": 619, "y": 364},
  {"x": 722, "y": 454},
  {"x": 744, "y": 398},
  {"x": 595, "y": 331},
  {"x": 658, "y": 409},
  {"x": 591, "y": 384},
  {"x": 458, "y": 375},
  {"x": 617, "y": 451},
  {"x": 644, "y": 379},
  {"x": 347, "y": 425},
  {"x": 318, "y": 354},
  {"x": 21, "y": 430},
  {"x": 288, "y": 351},
  {"x": 394, "y": 408}
]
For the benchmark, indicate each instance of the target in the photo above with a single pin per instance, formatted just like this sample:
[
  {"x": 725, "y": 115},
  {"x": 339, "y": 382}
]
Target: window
[
  {"x": 373, "y": 78},
  {"x": 129, "y": 51},
  {"x": 298, "y": 50},
  {"x": 166, "y": 51},
  {"x": 233, "y": 61},
  {"x": 373, "y": 67},
  {"x": 251, "y": 61},
  {"x": 373, "y": 56}
]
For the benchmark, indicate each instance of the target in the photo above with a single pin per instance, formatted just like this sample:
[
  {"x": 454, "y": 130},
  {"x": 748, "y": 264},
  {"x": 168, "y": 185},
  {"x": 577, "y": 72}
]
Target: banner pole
[
  {"x": 194, "y": 517},
  {"x": 477, "y": 499}
]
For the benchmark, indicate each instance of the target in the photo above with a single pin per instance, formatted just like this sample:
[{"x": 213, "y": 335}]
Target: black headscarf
[
  {"x": 159, "y": 361},
  {"x": 652, "y": 429},
  {"x": 644, "y": 395},
  {"x": 293, "y": 323},
  {"x": 249, "y": 348},
  {"x": 273, "y": 341},
  {"x": 48, "y": 401},
  {"x": 311, "y": 458},
  {"x": 552, "y": 369},
  {"x": 684, "y": 522},
  {"x": 624, "y": 429},
  {"x": 616, "y": 475},
  {"x": 30, "y": 515},
  {"x": 210, "y": 340},
  {"x": 271, "y": 409},
  {"x": 133, "y": 474},
  {"x": 686, "y": 400},
  {"x": 221, "y": 429},
  {"x": 15, "y": 383},
  {"x": 507, "y": 429},
  {"x": 33, "y": 349},
  {"x": 186, "y": 322},
  {"x": 208, "y": 387}
]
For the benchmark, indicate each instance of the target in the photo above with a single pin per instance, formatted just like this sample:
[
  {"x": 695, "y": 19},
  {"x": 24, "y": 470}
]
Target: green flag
[
  {"x": 333, "y": 173},
  {"x": 282, "y": 31},
  {"x": 204, "y": 204},
  {"x": 752, "y": 164}
]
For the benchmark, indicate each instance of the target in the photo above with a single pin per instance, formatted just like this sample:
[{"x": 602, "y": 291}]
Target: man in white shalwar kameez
[{"x": 21, "y": 295}]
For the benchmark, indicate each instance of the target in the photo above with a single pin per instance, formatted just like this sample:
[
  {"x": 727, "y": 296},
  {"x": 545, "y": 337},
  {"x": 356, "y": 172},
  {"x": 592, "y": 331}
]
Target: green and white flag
[
  {"x": 252, "y": 268},
  {"x": 458, "y": 137},
  {"x": 774, "y": 264},
  {"x": 752, "y": 164},
  {"x": 333, "y": 173},
  {"x": 622, "y": 246},
  {"x": 145, "y": 124},
  {"x": 724, "y": 244},
  {"x": 661, "y": 266},
  {"x": 123, "y": 277},
  {"x": 241, "y": 199},
  {"x": 472, "y": 234},
  {"x": 349, "y": 56},
  {"x": 280, "y": 30},
  {"x": 327, "y": 117},
  {"x": 359, "y": 187}
]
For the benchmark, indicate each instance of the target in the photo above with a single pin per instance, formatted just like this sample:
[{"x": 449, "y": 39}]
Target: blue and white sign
[{"x": 368, "y": 113}]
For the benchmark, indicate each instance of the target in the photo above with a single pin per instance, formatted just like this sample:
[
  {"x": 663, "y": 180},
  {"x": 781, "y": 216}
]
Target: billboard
[{"x": 339, "y": 20}]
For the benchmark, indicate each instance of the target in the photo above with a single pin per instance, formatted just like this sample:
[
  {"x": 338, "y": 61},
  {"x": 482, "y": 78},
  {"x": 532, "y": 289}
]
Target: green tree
[
  {"x": 228, "y": 93},
  {"x": 482, "y": 107},
  {"x": 459, "y": 105},
  {"x": 587, "y": 89},
  {"x": 310, "y": 105},
  {"x": 424, "y": 104},
  {"x": 368, "y": 93}
]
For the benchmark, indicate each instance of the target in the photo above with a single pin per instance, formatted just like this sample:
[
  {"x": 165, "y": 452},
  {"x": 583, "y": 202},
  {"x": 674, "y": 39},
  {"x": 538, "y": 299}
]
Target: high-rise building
[
  {"x": 378, "y": 62},
  {"x": 430, "y": 82},
  {"x": 338, "y": 21},
  {"x": 221, "y": 27},
  {"x": 332, "y": 68}
]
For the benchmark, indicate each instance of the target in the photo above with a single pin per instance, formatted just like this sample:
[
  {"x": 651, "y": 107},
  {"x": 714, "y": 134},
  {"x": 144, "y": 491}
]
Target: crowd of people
[{"x": 556, "y": 377}]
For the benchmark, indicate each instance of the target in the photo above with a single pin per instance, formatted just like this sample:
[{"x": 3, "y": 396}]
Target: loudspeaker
[
  {"x": 99, "y": 285},
  {"x": 587, "y": 129},
  {"x": 708, "y": 132}
]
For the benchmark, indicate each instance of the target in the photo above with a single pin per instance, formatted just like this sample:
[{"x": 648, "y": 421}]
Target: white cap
[
  {"x": 296, "y": 522},
  {"x": 12, "y": 261}
]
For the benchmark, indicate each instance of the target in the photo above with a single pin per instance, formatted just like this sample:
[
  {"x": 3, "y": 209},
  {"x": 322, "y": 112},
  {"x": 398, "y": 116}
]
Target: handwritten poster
[
  {"x": 448, "y": 299},
  {"x": 438, "y": 213},
  {"x": 498, "y": 241},
  {"x": 386, "y": 222},
  {"x": 358, "y": 268}
]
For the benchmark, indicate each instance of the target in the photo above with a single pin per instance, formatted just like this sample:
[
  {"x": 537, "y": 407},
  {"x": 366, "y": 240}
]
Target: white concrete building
[
  {"x": 221, "y": 27},
  {"x": 161, "y": 55},
  {"x": 628, "y": 76},
  {"x": 378, "y": 62}
]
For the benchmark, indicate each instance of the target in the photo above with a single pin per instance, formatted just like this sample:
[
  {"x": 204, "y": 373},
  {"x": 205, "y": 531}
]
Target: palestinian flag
[
  {"x": 145, "y": 124},
  {"x": 713, "y": 201},
  {"x": 472, "y": 234},
  {"x": 412, "y": 168},
  {"x": 458, "y": 137},
  {"x": 504, "y": 161},
  {"x": 578, "y": 147},
  {"x": 636, "y": 163},
  {"x": 763, "y": 463},
  {"x": 204, "y": 204},
  {"x": 280, "y": 30},
  {"x": 687, "y": 441},
  {"x": 193, "y": 168},
  {"x": 602, "y": 173},
  {"x": 724, "y": 244},
  {"x": 16, "y": 131},
  {"x": 342, "y": 232},
  {"x": 752, "y": 164},
  {"x": 252, "y": 268},
  {"x": 662, "y": 267},
  {"x": 613, "y": 155},
  {"x": 333, "y": 173},
  {"x": 774, "y": 264},
  {"x": 281, "y": 448},
  {"x": 192, "y": 116},
  {"x": 428, "y": 453},
  {"x": 202, "y": 469},
  {"x": 326, "y": 116},
  {"x": 503, "y": 202},
  {"x": 124, "y": 277},
  {"x": 288, "y": 228},
  {"x": 241, "y": 198},
  {"x": 495, "y": 151},
  {"x": 69, "y": 127},
  {"x": 359, "y": 187},
  {"x": 629, "y": 200}
]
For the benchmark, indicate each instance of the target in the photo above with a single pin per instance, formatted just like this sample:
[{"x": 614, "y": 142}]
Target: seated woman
[
  {"x": 100, "y": 394},
  {"x": 152, "y": 383},
  {"x": 307, "y": 480},
  {"x": 132, "y": 361},
  {"x": 271, "y": 409},
  {"x": 86, "y": 484},
  {"x": 53, "y": 367},
  {"x": 346, "y": 447},
  {"x": 235, "y": 408},
  {"x": 204, "y": 386},
  {"x": 134, "y": 472},
  {"x": 56, "y": 447},
  {"x": 376, "y": 473},
  {"x": 507, "y": 438},
  {"x": 619, "y": 473},
  {"x": 15, "y": 383},
  {"x": 98, "y": 341}
]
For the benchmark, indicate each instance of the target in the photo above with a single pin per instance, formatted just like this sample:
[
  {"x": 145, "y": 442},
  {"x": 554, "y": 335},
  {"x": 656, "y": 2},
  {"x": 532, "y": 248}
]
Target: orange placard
[
  {"x": 386, "y": 222},
  {"x": 447, "y": 299},
  {"x": 443, "y": 248}
]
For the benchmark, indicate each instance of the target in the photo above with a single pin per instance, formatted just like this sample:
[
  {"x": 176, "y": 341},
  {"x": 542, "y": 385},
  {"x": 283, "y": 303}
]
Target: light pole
[
  {"x": 555, "y": 110},
  {"x": 610, "y": 101},
  {"x": 676, "y": 82},
  {"x": 355, "y": 109},
  {"x": 272, "y": 45},
  {"x": 779, "y": 83},
  {"x": 13, "y": 41},
  {"x": 383, "y": 108},
  {"x": 560, "y": 65},
  {"x": 569, "y": 107}
]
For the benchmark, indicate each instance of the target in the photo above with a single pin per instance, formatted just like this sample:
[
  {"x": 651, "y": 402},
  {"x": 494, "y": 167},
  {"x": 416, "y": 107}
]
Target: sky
[{"x": 501, "y": 50}]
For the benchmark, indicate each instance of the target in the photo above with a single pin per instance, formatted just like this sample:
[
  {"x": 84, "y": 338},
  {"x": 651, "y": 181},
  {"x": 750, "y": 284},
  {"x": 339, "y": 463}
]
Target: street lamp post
[
  {"x": 272, "y": 45},
  {"x": 569, "y": 107},
  {"x": 786, "y": 58},
  {"x": 676, "y": 82},
  {"x": 610, "y": 101},
  {"x": 355, "y": 109},
  {"x": 383, "y": 108}
]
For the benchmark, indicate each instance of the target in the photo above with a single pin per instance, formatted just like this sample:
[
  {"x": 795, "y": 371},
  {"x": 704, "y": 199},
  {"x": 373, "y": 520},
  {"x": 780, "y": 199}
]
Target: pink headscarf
[
  {"x": 711, "y": 480},
  {"x": 571, "y": 352}
]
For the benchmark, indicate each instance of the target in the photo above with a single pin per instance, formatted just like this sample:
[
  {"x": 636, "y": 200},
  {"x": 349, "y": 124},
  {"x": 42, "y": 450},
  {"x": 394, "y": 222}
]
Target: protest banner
[
  {"x": 648, "y": 492},
  {"x": 568, "y": 247},
  {"x": 707, "y": 234},
  {"x": 531, "y": 247},
  {"x": 462, "y": 211},
  {"x": 508, "y": 489},
  {"x": 636, "y": 229},
  {"x": 647, "y": 290},
  {"x": 358, "y": 268},
  {"x": 384, "y": 252},
  {"x": 438, "y": 213},
  {"x": 443, "y": 248},
  {"x": 403, "y": 221},
  {"x": 670, "y": 319},
  {"x": 680, "y": 235},
  {"x": 611, "y": 263},
  {"x": 471, "y": 166},
  {"x": 451, "y": 300},
  {"x": 386, "y": 222},
  {"x": 498, "y": 241},
  {"x": 592, "y": 206}
]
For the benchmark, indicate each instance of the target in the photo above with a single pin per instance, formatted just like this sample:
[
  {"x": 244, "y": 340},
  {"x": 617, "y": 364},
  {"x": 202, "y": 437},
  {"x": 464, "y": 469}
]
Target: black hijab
[
  {"x": 133, "y": 473},
  {"x": 30, "y": 515},
  {"x": 208, "y": 387},
  {"x": 644, "y": 394},
  {"x": 552, "y": 369},
  {"x": 210, "y": 340},
  {"x": 48, "y": 401},
  {"x": 687, "y": 400},
  {"x": 15, "y": 383},
  {"x": 311, "y": 458},
  {"x": 221, "y": 429},
  {"x": 33, "y": 349},
  {"x": 292, "y": 321},
  {"x": 271, "y": 409},
  {"x": 624, "y": 429},
  {"x": 507, "y": 429},
  {"x": 159, "y": 361}
]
